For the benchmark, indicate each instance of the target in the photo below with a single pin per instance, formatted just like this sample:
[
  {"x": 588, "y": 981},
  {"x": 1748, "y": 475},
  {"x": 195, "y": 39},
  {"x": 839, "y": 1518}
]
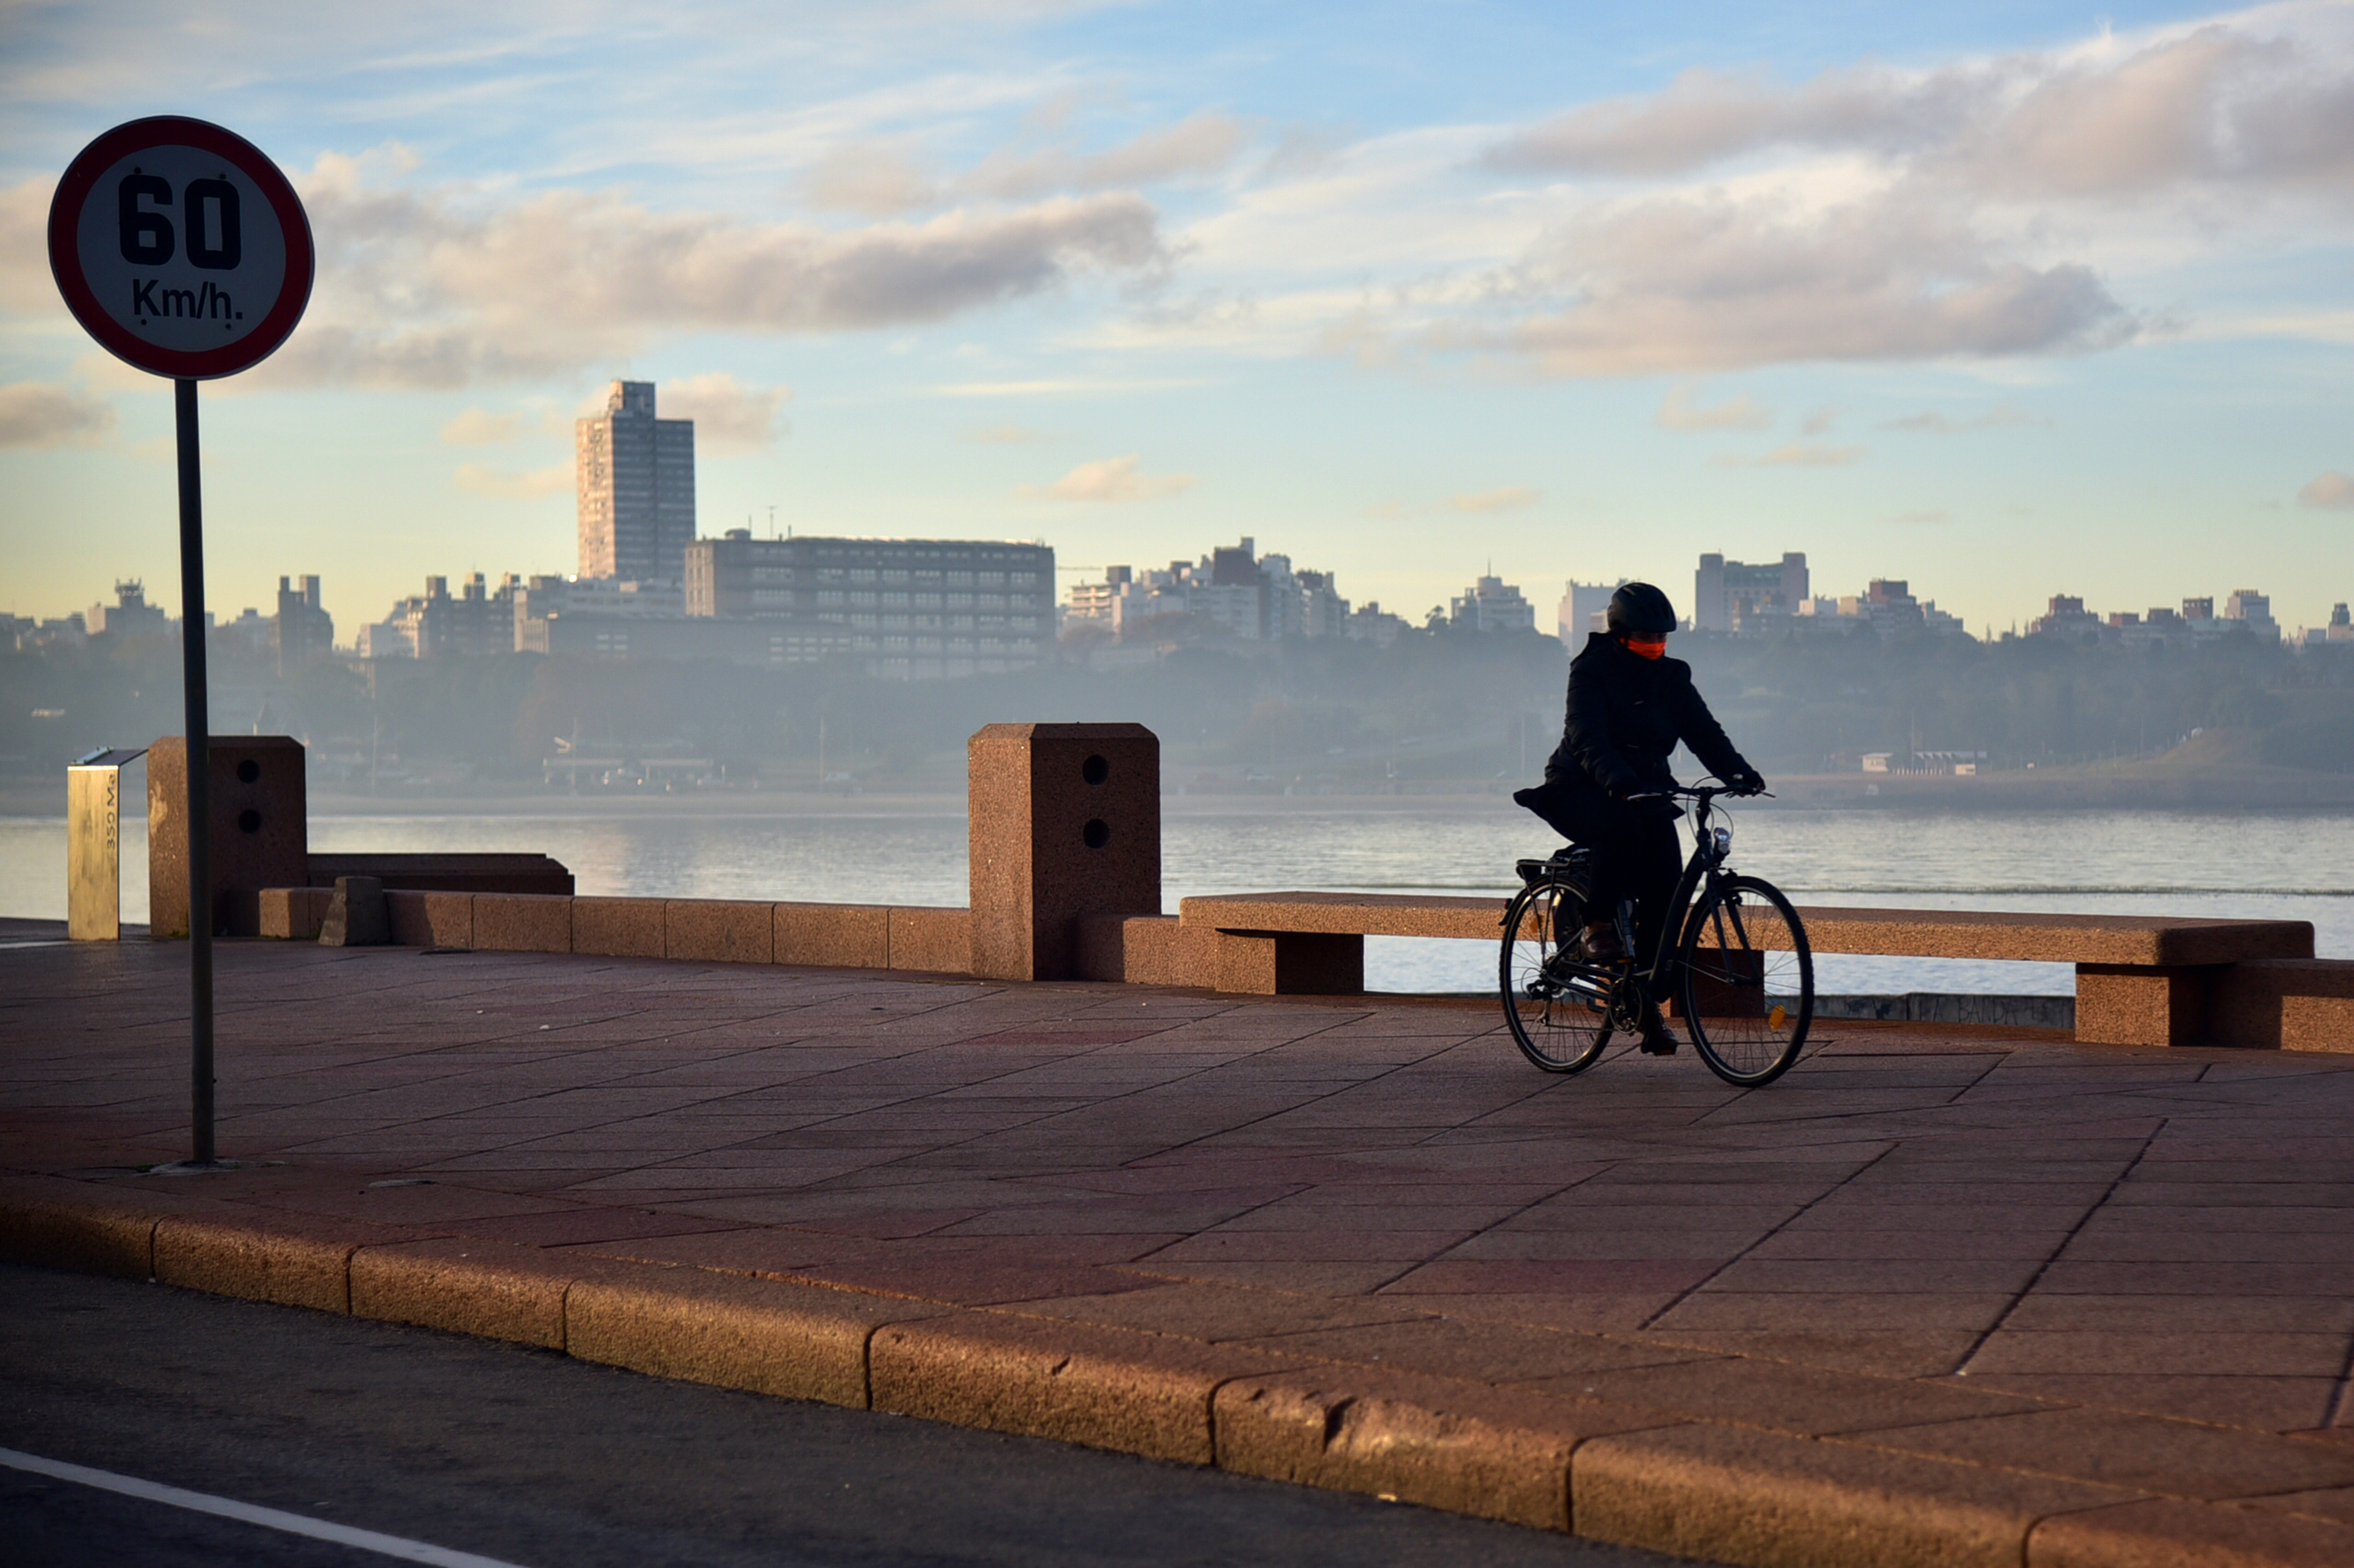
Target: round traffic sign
[{"x": 181, "y": 248}]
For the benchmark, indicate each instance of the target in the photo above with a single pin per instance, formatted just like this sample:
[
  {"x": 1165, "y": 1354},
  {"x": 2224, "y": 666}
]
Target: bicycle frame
[{"x": 1704, "y": 867}]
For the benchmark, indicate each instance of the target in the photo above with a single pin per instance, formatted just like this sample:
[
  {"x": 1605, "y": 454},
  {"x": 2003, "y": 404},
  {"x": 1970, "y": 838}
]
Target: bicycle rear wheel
[
  {"x": 1747, "y": 990},
  {"x": 1558, "y": 1010}
]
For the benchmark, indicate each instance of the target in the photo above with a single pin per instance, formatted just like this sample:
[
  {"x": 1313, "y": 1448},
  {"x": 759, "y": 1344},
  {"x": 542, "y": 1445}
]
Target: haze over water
[{"x": 2289, "y": 866}]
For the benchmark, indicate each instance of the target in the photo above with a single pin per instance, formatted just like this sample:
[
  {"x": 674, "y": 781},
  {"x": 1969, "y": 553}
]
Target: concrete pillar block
[
  {"x": 260, "y": 830},
  {"x": 2129, "y": 1004},
  {"x": 2284, "y": 1004},
  {"x": 1145, "y": 949},
  {"x": 294, "y": 914},
  {"x": 1065, "y": 823},
  {"x": 357, "y": 915},
  {"x": 1288, "y": 963}
]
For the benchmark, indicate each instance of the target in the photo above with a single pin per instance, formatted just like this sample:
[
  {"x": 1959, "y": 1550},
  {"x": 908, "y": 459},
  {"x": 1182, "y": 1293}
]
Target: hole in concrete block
[
  {"x": 1095, "y": 770},
  {"x": 249, "y": 771},
  {"x": 248, "y": 821},
  {"x": 1097, "y": 833}
]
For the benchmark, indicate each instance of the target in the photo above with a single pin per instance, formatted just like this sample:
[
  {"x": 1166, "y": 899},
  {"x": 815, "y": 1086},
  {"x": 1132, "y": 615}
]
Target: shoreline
[{"x": 2267, "y": 790}]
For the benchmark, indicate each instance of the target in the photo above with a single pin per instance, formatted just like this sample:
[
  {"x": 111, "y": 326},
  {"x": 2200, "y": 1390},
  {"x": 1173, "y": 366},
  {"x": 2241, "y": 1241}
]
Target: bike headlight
[{"x": 1723, "y": 842}]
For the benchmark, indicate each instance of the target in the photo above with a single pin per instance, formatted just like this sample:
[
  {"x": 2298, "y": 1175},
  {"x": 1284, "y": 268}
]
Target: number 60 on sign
[{"x": 180, "y": 248}]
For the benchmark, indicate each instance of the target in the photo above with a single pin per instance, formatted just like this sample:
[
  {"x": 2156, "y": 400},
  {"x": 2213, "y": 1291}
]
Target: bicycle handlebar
[{"x": 1699, "y": 792}]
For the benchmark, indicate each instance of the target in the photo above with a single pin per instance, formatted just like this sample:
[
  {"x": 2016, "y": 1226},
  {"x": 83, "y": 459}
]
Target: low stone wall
[
  {"x": 705, "y": 930},
  {"x": 2288, "y": 1004}
]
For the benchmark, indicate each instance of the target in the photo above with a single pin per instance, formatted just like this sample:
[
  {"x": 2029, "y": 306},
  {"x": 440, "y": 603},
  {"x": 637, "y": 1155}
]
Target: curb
[{"x": 1612, "y": 1471}]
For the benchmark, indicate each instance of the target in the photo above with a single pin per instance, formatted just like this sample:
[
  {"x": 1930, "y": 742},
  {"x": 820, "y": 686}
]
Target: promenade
[{"x": 1937, "y": 1296}]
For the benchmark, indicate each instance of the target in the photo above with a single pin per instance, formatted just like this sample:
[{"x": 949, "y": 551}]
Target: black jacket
[{"x": 1626, "y": 714}]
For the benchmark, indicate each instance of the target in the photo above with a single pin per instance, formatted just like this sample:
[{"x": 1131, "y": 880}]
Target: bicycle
[{"x": 1747, "y": 1005}]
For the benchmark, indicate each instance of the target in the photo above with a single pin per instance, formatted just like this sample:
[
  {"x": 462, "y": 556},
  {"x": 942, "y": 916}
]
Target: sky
[{"x": 2006, "y": 301}]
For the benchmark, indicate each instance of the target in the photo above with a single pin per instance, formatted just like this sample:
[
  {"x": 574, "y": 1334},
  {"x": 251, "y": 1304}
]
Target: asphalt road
[{"x": 532, "y": 1458}]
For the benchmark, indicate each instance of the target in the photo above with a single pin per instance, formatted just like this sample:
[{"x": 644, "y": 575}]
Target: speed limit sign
[{"x": 181, "y": 248}]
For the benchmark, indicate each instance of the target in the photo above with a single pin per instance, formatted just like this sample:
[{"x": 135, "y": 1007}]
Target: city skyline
[{"x": 2004, "y": 303}]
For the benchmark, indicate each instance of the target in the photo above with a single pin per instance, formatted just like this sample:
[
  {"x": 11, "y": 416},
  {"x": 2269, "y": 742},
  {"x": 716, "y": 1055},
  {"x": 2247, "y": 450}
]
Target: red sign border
[{"x": 65, "y": 255}]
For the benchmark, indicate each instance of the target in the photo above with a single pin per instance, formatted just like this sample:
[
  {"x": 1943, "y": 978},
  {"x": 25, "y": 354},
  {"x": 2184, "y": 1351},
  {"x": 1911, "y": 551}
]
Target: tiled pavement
[{"x": 2116, "y": 1268}]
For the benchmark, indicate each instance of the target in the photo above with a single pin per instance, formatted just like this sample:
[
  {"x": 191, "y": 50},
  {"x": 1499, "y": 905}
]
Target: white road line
[{"x": 268, "y": 1518}]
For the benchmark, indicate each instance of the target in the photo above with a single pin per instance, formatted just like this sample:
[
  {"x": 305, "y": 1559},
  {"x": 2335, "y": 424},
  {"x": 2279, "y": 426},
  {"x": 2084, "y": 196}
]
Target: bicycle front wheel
[
  {"x": 1558, "y": 1010},
  {"x": 1747, "y": 991}
]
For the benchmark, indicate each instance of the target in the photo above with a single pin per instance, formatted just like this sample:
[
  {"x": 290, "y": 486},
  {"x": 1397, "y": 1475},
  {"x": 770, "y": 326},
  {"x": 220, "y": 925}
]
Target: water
[{"x": 2277, "y": 866}]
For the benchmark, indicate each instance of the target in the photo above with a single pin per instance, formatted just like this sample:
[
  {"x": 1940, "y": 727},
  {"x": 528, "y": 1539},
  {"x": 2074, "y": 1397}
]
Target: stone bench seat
[{"x": 2141, "y": 979}]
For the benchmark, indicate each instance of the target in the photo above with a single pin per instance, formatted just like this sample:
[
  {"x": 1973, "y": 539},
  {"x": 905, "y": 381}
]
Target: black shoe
[
  {"x": 1599, "y": 943},
  {"x": 1658, "y": 1039}
]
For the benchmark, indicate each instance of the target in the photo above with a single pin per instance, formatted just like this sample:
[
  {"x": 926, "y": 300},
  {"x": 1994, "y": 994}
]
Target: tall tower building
[{"x": 635, "y": 478}]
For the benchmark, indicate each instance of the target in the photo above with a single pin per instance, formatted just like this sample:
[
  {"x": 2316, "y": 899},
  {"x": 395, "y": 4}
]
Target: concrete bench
[{"x": 2141, "y": 979}]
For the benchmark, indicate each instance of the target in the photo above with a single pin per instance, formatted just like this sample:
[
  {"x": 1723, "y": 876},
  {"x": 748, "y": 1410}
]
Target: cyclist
[{"x": 1628, "y": 706}]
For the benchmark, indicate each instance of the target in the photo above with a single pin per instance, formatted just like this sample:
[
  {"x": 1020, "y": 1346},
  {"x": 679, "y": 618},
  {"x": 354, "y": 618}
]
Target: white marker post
[{"x": 184, "y": 251}]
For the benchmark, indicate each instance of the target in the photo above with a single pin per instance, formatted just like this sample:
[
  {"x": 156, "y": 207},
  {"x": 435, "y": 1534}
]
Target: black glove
[
  {"x": 1626, "y": 787},
  {"x": 1747, "y": 781}
]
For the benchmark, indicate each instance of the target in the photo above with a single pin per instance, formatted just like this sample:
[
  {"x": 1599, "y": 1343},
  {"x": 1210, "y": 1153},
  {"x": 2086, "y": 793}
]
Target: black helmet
[{"x": 1639, "y": 610}]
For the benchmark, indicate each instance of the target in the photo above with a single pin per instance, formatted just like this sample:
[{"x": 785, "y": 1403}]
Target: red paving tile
[{"x": 1911, "y": 1231}]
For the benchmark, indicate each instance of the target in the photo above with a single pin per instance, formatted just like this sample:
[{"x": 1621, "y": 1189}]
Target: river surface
[{"x": 2294, "y": 866}]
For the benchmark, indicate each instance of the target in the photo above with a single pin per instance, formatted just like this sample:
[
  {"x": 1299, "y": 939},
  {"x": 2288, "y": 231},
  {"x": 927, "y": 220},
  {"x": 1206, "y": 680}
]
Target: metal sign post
[{"x": 183, "y": 250}]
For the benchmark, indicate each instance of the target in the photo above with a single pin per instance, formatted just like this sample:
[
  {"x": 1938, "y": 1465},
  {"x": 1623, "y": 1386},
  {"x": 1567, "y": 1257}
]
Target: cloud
[
  {"x": 1008, "y": 436},
  {"x": 1199, "y": 145},
  {"x": 26, "y": 286},
  {"x": 478, "y": 480},
  {"x": 2332, "y": 491},
  {"x": 43, "y": 414},
  {"x": 2220, "y": 102},
  {"x": 1704, "y": 117},
  {"x": 1057, "y": 387},
  {"x": 1936, "y": 424},
  {"x": 1923, "y": 517},
  {"x": 1504, "y": 500},
  {"x": 1680, "y": 412},
  {"x": 1818, "y": 422},
  {"x": 431, "y": 288},
  {"x": 1715, "y": 284},
  {"x": 1797, "y": 455},
  {"x": 1874, "y": 213},
  {"x": 870, "y": 180},
  {"x": 728, "y": 415},
  {"x": 1112, "y": 479},
  {"x": 475, "y": 427}
]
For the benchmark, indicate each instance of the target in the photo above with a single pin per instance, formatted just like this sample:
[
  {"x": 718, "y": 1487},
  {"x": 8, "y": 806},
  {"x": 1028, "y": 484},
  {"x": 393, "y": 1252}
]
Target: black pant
[
  {"x": 1634, "y": 850},
  {"x": 1636, "y": 857}
]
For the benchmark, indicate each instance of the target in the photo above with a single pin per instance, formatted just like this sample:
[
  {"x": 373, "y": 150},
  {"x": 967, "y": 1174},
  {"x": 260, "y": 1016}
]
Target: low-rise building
[
  {"x": 1232, "y": 593},
  {"x": 1369, "y": 622},
  {"x": 1886, "y": 607},
  {"x": 2340, "y": 630},
  {"x": 1724, "y": 592},
  {"x": 129, "y": 616},
  {"x": 434, "y": 624},
  {"x": 2254, "y": 611},
  {"x": 1491, "y": 604},
  {"x": 2065, "y": 616},
  {"x": 911, "y": 608}
]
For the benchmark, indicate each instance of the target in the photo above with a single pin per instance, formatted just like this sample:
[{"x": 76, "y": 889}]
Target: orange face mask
[{"x": 1647, "y": 650}]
